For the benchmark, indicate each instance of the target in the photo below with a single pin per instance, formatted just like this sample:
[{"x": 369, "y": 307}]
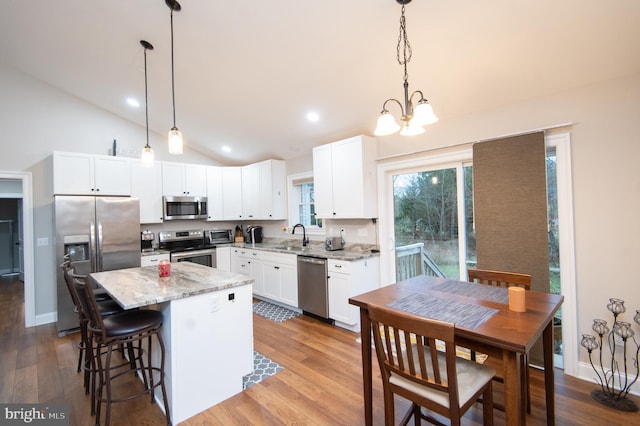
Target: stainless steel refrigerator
[{"x": 100, "y": 234}]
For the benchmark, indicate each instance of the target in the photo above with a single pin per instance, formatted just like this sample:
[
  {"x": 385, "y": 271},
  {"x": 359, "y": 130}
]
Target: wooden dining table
[{"x": 483, "y": 323}]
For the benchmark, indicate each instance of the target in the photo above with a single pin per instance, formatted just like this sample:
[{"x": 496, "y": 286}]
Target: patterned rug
[
  {"x": 263, "y": 367},
  {"x": 273, "y": 312}
]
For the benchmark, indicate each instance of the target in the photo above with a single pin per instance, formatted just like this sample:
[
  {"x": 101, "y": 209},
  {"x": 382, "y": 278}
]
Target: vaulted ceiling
[{"x": 247, "y": 72}]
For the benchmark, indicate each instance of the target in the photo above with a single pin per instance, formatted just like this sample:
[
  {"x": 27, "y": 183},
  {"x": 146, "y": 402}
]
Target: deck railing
[{"x": 412, "y": 260}]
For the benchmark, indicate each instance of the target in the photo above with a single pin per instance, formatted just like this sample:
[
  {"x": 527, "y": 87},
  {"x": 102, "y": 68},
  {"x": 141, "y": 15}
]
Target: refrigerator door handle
[
  {"x": 92, "y": 247},
  {"x": 99, "y": 248}
]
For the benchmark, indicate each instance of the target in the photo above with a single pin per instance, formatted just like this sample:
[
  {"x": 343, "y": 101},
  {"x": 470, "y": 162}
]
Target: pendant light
[
  {"x": 175, "y": 136},
  {"x": 413, "y": 118},
  {"x": 147, "y": 152}
]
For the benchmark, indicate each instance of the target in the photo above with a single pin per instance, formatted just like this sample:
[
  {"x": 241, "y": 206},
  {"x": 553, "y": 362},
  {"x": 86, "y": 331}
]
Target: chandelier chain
[{"x": 403, "y": 42}]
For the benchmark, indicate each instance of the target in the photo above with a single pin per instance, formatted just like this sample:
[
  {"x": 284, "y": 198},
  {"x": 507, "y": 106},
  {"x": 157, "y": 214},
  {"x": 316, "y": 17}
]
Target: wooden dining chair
[
  {"x": 507, "y": 279},
  {"x": 411, "y": 367}
]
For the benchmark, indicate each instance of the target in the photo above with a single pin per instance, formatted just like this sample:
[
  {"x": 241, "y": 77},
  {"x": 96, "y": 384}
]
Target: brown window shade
[{"x": 510, "y": 203}]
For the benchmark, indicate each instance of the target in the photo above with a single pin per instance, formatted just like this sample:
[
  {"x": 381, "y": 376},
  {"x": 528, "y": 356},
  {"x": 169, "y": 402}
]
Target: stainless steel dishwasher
[{"x": 313, "y": 296}]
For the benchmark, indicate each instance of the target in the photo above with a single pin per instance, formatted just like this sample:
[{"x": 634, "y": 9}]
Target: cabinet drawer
[
  {"x": 281, "y": 258},
  {"x": 154, "y": 259},
  {"x": 341, "y": 266},
  {"x": 248, "y": 253}
]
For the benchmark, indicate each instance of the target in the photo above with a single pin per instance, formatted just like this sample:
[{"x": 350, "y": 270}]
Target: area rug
[
  {"x": 273, "y": 312},
  {"x": 263, "y": 367}
]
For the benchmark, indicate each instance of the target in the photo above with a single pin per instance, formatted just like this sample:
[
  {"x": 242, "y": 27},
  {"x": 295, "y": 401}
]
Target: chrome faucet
[{"x": 305, "y": 240}]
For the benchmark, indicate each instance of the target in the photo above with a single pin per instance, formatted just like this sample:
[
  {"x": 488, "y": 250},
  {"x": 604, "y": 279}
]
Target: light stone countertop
[
  {"x": 350, "y": 253},
  {"x": 136, "y": 287}
]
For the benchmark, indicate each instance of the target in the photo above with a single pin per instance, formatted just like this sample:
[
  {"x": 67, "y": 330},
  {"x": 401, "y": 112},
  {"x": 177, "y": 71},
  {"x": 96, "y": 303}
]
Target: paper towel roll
[{"x": 516, "y": 299}]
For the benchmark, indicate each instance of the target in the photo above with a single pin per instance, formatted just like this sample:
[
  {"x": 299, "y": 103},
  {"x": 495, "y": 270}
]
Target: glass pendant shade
[
  {"x": 423, "y": 114},
  {"x": 175, "y": 141},
  {"x": 387, "y": 125},
  {"x": 411, "y": 128},
  {"x": 147, "y": 157}
]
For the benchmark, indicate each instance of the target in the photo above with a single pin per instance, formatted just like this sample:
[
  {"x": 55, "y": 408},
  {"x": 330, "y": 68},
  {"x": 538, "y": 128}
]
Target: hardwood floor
[{"x": 320, "y": 385}]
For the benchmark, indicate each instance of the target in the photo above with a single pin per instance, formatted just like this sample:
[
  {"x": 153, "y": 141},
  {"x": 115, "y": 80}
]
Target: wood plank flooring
[{"x": 320, "y": 385}]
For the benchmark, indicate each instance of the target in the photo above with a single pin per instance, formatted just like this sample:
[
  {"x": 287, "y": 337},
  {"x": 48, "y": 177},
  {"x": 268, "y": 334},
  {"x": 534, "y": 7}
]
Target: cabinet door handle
[
  {"x": 338, "y": 266},
  {"x": 276, "y": 267}
]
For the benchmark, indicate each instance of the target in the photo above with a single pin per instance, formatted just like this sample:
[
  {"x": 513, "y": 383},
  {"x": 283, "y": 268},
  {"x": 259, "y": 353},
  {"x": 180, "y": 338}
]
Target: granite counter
[{"x": 136, "y": 287}]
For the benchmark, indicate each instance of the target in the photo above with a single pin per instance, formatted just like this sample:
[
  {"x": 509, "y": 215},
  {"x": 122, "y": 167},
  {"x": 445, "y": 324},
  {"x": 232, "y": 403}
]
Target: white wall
[
  {"x": 605, "y": 139},
  {"x": 37, "y": 119}
]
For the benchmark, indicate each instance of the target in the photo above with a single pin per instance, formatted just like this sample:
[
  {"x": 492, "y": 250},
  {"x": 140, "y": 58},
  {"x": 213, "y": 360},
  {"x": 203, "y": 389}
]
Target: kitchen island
[{"x": 207, "y": 329}]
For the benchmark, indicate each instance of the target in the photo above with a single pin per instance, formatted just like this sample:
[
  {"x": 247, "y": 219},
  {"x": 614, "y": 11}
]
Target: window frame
[{"x": 294, "y": 215}]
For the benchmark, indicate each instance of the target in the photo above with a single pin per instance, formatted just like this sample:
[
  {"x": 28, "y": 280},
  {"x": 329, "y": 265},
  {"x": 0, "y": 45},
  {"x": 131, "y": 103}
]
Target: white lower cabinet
[
  {"x": 249, "y": 262},
  {"x": 347, "y": 279},
  {"x": 280, "y": 277},
  {"x": 223, "y": 258},
  {"x": 275, "y": 274},
  {"x": 153, "y": 259}
]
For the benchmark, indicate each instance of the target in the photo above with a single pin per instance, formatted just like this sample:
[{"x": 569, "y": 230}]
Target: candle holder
[{"x": 614, "y": 379}]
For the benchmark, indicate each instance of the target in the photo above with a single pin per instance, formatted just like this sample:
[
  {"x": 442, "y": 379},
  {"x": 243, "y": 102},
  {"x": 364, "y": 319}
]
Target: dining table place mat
[
  {"x": 475, "y": 290},
  {"x": 461, "y": 314}
]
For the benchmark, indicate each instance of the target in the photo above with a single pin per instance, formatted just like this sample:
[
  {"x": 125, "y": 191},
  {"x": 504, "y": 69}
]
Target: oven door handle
[{"x": 176, "y": 257}]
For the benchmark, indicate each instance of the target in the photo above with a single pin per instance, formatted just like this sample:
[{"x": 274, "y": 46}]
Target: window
[
  {"x": 306, "y": 210},
  {"x": 301, "y": 203}
]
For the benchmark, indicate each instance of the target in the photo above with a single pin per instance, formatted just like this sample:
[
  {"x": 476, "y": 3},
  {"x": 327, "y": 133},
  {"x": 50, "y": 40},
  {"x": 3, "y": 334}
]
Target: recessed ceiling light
[
  {"x": 133, "y": 102},
  {"x": 226, "y": 148},
  {"x": 313, "y": 117}
]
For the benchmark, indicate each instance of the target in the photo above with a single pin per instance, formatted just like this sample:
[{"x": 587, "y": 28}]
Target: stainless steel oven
[
  {"x": 188, "y": 246},
  {"x": 205, "y": 257}
]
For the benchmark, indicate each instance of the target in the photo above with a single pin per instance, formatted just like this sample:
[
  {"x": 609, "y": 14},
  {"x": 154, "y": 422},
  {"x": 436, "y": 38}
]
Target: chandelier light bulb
[
  {"x": 411, "y": 128},
  {"x": 423, "y": 114},
  {"x": 387, "y": 125}
]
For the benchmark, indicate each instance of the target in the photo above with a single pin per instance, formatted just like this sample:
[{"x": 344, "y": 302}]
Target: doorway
[
  {"x": 390, "y": 176},
  {"x": 16, "y": 236}
]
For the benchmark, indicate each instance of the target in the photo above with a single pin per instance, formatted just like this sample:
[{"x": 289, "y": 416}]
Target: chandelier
[
  {"x": 413, "y": 118},
  {"x": 147, "y": 152},
  {"x": 175, "y": 136}
]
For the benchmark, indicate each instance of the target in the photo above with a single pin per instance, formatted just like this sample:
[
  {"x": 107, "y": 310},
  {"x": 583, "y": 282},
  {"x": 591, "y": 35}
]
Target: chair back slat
[
  {"x": 500, "y": 278},
  {"x": 404, "y": 341}
]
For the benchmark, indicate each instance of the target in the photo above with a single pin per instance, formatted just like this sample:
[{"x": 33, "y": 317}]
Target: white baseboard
[
  {"x": 587, "y": 373},
  {"x": 47, "y": 318}
]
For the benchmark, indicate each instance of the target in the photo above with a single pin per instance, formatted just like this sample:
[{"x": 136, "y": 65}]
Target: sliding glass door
[{"x": 433, "y": 222}]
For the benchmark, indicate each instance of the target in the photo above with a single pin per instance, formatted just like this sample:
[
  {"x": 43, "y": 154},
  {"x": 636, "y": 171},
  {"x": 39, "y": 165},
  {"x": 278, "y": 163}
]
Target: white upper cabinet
[
  {"x": 88, "y": 174},
  {"x": 215, "y": 200},
  {"x": 180, "y": 179},
  {"x": 232, "y": 193},
  {"x": 146, "y": 185},
  {"x": 251, "y": 192},
  {"x": 264, "y": 190},
  {"x": 344, "y": 176}
]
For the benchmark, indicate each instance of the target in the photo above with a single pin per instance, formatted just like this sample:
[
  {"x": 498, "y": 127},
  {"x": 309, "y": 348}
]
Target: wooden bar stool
[
  {"x": 106, "y": 305},
  {"x": 126, "y": 328}
]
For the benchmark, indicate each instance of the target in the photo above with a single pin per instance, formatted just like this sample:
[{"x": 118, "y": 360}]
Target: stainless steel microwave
[{"x": 181, "y": 208}]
